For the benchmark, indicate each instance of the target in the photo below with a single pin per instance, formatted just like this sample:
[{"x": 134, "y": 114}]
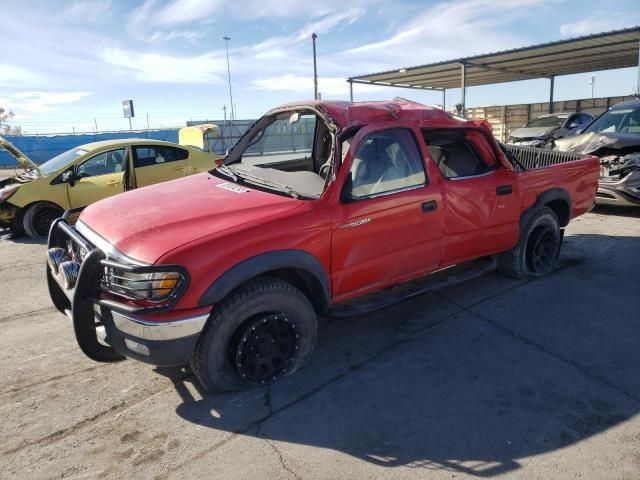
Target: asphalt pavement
[{"x": 536, "y": 378}]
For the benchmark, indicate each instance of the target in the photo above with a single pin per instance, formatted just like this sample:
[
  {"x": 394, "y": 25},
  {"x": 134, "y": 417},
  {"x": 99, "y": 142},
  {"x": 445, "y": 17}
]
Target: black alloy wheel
[
  {"x": 542, "y": 249},
  {"x": 264, "y": 348}
]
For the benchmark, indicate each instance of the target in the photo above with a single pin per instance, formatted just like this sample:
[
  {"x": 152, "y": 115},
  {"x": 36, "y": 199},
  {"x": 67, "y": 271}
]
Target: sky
[{"x": 67, "y": 65}]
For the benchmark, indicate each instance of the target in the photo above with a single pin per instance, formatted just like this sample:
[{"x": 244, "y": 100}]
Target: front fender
[{"x": 265, "y": 263}]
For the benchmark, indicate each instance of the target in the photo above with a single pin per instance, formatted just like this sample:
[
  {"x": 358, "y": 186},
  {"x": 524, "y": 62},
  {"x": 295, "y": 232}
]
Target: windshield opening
[
  {"x": 289, "y": 152},
  {"x": 60, "y": 161},
  {"x": 622, "y": 120},
  {"x": 547, "y": 121}
]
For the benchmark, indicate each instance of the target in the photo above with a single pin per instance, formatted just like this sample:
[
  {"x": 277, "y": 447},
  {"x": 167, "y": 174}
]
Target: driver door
[
  {"x": 388, "y": 225},
  {"x": 99, "y": 177}
]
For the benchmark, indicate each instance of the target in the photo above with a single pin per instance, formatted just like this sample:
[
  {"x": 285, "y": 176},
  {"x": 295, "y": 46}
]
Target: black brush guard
[{"x": 78, "y": 303}]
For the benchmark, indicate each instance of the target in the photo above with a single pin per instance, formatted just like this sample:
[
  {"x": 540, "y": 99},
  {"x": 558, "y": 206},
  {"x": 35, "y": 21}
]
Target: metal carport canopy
[{"x": 589, "y": 53}]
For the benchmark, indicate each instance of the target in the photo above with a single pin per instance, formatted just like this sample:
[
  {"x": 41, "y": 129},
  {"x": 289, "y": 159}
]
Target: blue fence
[{"x": 41, "y": 148}]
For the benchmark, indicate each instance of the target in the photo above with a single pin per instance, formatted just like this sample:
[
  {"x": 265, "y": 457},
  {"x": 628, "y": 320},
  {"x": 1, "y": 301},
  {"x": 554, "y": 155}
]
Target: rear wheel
[
  {"x": 261, "y": 332},
  {"x": 538, "y": 247},
  {"x": 38, "y": 218}
]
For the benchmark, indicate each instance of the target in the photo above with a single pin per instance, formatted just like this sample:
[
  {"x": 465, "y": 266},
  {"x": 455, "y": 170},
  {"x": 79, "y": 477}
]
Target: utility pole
[
  {"x": 315, "y": 68},
  {"x": 226, "y": 43},
  {"x": 592, "y": 82}
]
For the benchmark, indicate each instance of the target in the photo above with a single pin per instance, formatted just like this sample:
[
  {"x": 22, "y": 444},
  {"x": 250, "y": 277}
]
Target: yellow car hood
[{"x": 22, "y": 159}]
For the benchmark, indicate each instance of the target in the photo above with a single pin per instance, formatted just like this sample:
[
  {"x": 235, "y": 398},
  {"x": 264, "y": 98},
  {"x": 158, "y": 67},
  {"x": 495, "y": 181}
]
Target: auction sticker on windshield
[{"x": 233, "y": 187}]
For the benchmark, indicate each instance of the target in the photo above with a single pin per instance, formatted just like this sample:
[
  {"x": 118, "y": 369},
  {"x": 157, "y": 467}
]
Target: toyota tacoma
[{"x": 321, "y": 207}]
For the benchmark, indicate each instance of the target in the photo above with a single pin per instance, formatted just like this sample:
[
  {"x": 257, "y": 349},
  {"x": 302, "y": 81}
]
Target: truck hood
[
  {"x": 147, "y": 223},
  {"x": 23, "y": 160},
  {"x": 533, "y": 132},
  {"x": 592, "y": 142}
]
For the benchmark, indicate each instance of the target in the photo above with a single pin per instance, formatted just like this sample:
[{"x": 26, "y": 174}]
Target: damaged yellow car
[{"x": 31, "y": 200}]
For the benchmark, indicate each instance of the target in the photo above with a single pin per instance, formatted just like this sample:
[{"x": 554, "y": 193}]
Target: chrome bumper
[{"x": 158, "y": 331}]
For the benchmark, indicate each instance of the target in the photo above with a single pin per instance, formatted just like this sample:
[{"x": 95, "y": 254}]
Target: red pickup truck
[{"x": 316, "y": 207}]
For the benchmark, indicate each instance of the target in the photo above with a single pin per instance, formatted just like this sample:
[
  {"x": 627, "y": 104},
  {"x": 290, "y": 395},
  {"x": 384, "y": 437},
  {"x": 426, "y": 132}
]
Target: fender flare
[
  {"x": 553, "y": 194},
  {"x": 268, "y": 262}
]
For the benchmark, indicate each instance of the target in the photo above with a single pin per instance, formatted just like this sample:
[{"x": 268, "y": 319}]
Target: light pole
[
  {"x": 315, "y": 69},
  {"x": 226, "y": 43}
]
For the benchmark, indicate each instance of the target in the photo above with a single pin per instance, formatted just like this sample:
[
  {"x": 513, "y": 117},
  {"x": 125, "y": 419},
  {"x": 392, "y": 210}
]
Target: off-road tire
[
  {"x": 517, "y": 262},
  {"x": 38, "y": 217},
  {"x": 212, "y": 361}
]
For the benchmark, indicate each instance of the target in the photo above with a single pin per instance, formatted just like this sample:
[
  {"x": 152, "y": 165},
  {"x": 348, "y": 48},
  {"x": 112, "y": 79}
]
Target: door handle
[
  {"x": 178, "y": 168},
  {"x": 113, "y": 182},
  {"x": 504, "y": 190},
  {"x": 429, "y": 206}
]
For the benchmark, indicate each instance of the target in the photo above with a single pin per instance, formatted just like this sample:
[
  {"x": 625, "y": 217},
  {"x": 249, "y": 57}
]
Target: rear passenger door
[
  {"x": 158, "y": 163},
  {"x": 481, "y": 197}
]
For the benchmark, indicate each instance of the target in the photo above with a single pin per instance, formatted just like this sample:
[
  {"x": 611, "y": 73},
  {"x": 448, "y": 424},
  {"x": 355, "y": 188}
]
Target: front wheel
[
  {"x": 538, "y": 247},
  {"x": 38, "y": 218},
  {"x": 261, "y": 332}
]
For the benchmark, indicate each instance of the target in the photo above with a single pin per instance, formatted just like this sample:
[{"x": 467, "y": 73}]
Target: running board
[{"x": 397, "y": 293}]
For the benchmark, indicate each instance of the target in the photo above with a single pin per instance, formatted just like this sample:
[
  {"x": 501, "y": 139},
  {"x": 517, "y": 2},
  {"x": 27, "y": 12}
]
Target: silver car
[
  {"x": 614, "y": 137},
  {"x": 541, "y": 131}
]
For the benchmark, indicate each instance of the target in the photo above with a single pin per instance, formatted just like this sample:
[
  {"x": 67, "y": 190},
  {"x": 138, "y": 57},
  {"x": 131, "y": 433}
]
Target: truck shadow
[{"x": 470, "y": 380}]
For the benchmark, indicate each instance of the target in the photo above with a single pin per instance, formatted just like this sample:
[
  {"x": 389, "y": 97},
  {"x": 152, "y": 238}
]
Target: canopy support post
[
  {"x": 463, "y": 85},
  {"x": 638, "y": 85},
  {"x": 552, "y": 79}
]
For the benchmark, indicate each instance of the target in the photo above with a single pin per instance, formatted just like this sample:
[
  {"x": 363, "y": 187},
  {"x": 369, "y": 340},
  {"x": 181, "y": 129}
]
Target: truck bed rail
[{"x": 529, "y": 158}]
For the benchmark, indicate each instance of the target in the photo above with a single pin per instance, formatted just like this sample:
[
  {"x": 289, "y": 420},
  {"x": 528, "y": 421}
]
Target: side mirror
[
  {"x": 578, "y": 131},
  {"x": 69, "y": 177},
  {"x": 347, "y": 188}
]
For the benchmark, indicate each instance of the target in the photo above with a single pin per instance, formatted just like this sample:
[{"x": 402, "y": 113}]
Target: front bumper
[
  {"x": 164, "y": 344},
  {"x": 124, "y": 327},
  {"x": 7, "y": 213},
  {"x": 611, "y": 194}
]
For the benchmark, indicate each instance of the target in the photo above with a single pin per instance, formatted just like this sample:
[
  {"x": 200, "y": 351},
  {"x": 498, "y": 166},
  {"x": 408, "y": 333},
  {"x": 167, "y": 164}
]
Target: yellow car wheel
[{"x": 38, "y": 218}]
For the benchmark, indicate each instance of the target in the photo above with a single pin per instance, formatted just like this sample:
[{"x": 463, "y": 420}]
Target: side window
[
  {"x": 104, "y": 163},
  {"x": 585, "y": 120},
  {"x": 386, "y": 161},
  {"x": 455, "y": 156},
  {"x": 574, "y": 121},
  {"x": 154, "y": 154}
]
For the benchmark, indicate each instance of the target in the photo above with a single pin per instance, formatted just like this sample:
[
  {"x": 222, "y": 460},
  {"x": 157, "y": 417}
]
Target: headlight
[
  {"x": 632, "y": 161},
  {"x": 6, "y": 192},
  {"x": 154, "y": 287}
]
